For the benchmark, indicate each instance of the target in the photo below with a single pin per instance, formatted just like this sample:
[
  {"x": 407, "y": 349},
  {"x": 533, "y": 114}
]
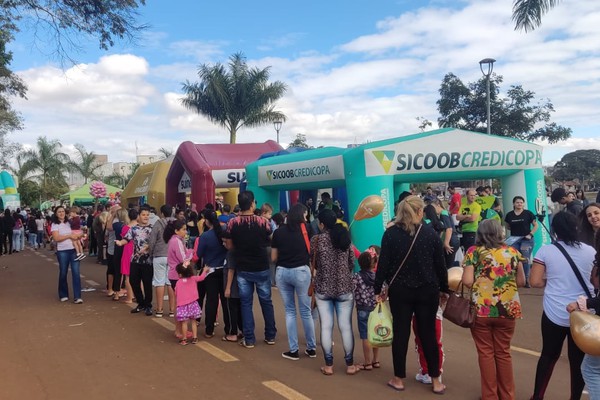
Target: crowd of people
[{"x": 212, "y": 261}]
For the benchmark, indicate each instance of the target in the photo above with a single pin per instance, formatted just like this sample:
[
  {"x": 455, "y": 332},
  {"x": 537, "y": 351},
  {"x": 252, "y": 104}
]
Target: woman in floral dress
[{"x": 494, "y": 271}]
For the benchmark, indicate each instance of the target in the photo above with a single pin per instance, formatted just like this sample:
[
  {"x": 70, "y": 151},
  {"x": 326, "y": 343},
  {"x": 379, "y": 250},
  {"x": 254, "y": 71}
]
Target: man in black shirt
[{"x": 248, "y": 235}]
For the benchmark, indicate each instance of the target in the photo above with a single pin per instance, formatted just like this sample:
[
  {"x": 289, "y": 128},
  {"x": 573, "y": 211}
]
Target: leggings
[{"x": 553, "y": 337}]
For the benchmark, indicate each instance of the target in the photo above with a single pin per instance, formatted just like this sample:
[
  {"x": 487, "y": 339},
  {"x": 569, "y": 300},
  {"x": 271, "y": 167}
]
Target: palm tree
[
  {"x": 18, "y": 172},
  {"x": 527, "y": 14},
  {"x": 239, "y": 97},
  {"x": 86, "y": 163},
  {"x": 46, "y": 165}
]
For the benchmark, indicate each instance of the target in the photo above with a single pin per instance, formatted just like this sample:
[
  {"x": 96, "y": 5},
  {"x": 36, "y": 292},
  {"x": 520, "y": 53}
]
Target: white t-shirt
[
  {"x": 39, "y": 223},
  {"x": 562, "y": 286},
  {"x": 63, "y": 229}
]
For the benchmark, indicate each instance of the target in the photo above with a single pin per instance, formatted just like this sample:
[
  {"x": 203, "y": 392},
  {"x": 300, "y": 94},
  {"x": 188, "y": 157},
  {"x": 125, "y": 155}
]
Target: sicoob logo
[{"x": 385, "y": 158}]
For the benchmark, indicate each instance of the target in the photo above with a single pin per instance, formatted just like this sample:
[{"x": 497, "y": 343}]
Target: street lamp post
[
  {"x": 489, "y": 64},
  {"x": 123, "y": 175},
  {"x": 277, "y": 125}
]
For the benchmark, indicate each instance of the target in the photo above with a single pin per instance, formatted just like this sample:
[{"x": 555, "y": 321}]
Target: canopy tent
[
  {"x": 148, "y": 184},
  {"x": 82, "y": 196}
]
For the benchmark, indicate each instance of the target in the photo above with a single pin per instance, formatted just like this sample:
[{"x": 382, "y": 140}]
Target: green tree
[
  {"x": 300, "y": 141},
  {"x": 47, "y": 165},
  {"x": 30, "y": 193},
  {"x": 64, "y": 22},
  {"x": 527, "y": 14},
  {"x": 238, "y": 97},
  {"x": 464, "y": 106},
  {"x": 583, "y": 165},
  {"x": 85, "y": 164},
  {"x": 424, "y": 123}
]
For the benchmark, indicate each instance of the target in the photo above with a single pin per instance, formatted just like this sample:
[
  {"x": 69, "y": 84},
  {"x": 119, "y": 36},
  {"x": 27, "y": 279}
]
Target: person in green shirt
[{"x": 468, "y": 219}]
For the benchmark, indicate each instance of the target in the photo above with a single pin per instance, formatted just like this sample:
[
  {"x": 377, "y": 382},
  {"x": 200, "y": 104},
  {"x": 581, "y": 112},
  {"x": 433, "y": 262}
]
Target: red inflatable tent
[{"x": 205, "y": 167}]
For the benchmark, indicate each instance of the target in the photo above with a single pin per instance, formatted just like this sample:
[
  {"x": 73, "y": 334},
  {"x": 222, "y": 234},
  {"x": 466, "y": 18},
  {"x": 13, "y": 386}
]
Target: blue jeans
[
  {"x": 17, "y": 238},
  {"x": 40, "y": 238},
  {"x": 590, "y": 369},
  {"x": 33, "y": 239},
  {"x": 246, "y": 282},
  {"x": 343, "y": 306},
  {"x": 290, "y": 281},
  {"x": 525, "y": 247},
  {"x": 66, "y": 257}
]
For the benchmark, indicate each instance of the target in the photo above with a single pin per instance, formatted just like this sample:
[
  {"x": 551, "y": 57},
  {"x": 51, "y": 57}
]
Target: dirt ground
[{"x": 98, "y": 350}]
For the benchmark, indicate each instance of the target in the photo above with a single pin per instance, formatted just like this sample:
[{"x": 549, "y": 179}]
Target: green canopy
[{"x": 82, "y": 196}]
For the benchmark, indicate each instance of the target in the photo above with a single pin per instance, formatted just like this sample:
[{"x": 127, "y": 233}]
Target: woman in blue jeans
[
  {"x": 65, "y": 253},
  {"x": 334, "y": 261},
  {"x": 289, "y": 251}
]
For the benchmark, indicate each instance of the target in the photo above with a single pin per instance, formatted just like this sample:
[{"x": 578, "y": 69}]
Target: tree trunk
[{"x": 232, "y": 136}]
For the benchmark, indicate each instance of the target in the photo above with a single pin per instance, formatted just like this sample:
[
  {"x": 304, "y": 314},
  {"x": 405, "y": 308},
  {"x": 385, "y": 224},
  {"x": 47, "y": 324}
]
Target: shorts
[
  {"x": 161, "y": 267},
  {"x": 188, "y": 311},
  {"x": 363, "y": 322}
]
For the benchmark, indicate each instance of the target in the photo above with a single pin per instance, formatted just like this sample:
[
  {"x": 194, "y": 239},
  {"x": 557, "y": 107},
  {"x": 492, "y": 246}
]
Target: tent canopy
[{"x": 83, "y": 197}]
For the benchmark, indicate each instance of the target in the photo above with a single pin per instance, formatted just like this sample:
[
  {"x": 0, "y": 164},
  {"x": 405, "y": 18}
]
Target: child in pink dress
[
  {"x": 186, "y": 293},
  {"x": 128, "y": 253}
]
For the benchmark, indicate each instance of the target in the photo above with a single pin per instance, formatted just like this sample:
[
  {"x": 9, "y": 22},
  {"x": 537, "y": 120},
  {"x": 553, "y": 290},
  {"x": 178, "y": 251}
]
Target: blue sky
[{"x": 356, "y": 71}]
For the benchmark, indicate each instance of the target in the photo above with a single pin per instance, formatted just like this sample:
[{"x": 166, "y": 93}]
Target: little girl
[
  {"x": 364, "y": 297},
  {"x": 75, "y": 222},
  {"x": 186, "y": 293}
]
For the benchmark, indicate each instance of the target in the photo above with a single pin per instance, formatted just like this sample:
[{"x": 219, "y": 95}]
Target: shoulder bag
[{"x": 460, "y": 309}]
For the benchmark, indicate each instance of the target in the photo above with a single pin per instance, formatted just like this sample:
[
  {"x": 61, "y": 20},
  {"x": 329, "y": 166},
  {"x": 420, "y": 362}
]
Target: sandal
[
  {"x": 365, "y": 367},
  {"x": 226, "y": 339},
  {"x": 352, "y": 369},
  {"x": 376, "y": 364},
  {"x": 183, "y": 342},
  {"x": 327, "y": 372},
  {"x": 159, "y": 313},
  {"x": 194, "y": 340}
]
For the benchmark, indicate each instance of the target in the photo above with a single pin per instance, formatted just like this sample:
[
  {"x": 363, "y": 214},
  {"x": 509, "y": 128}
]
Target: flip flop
[
  {"x": 224, "y": 338},
  {"x": 440, "y": 392},
  {"x": 376, "y": 364},
  {"x": 396, "y": 388},
  {"x": 365, "y": 367},
  {"x": 325, "y": 372}
]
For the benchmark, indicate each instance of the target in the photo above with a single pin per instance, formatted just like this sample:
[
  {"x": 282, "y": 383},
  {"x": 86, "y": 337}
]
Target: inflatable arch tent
[
  {"x": 9, "y": 198},
  {"x": 148, "y": 184},
  {"x": 386, "y": 168},
  {"x": 199, "y": 169}
]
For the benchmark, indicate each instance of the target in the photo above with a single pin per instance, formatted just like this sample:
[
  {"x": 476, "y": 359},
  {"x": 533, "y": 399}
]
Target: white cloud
[{"x": 369, "y": 88}]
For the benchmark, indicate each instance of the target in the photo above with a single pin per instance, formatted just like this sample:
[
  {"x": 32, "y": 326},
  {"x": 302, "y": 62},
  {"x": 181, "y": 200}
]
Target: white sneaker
[
  {"x": 78, "y": 301},
  {"x": 423, "y": 378},
  {"x": 63, "y": 299}
]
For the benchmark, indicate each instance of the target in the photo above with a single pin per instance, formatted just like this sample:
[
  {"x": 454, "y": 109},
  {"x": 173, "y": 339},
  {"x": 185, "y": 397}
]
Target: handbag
[{"x": 460, "y": 310}]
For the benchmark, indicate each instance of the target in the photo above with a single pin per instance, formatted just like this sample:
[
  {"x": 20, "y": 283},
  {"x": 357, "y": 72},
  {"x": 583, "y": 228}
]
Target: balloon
[
  {"x": 454, "y": 277},
  {"x": 97, "y": 189},
  {"x": 585, "y": 329},
  {"x": 369, "y": 207}
]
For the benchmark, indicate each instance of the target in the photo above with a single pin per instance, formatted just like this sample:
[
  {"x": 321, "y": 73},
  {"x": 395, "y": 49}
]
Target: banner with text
[{"x": 323, "y": 169}]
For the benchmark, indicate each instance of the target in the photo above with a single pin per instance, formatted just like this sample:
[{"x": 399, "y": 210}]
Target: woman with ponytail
[{"x": 334, "y": 261}]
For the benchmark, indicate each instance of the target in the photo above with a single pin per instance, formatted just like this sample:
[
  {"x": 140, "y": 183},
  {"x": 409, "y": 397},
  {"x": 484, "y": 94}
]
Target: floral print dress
[{"x": 495, "y": 288}]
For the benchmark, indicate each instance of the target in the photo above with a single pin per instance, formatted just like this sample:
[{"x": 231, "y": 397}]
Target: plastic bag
[{"x": 380, "y": 329}]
